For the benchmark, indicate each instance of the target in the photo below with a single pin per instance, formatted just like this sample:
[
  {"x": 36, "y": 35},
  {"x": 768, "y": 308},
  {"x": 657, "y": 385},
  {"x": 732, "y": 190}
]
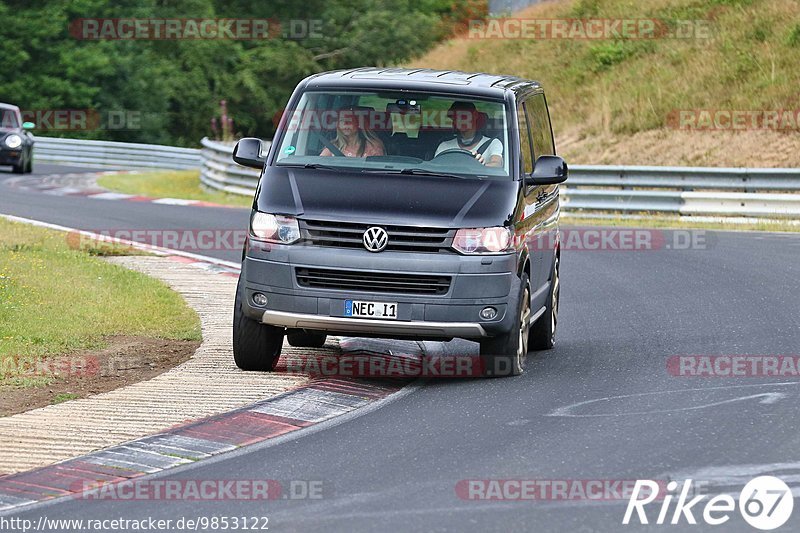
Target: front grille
[
  {"x": 353, "y": 280},
  {"x": 401, "y": 238}
]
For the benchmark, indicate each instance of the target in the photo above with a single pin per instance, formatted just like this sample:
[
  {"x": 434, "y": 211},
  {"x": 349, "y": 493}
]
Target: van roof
[{"x": 423, "y": 79}]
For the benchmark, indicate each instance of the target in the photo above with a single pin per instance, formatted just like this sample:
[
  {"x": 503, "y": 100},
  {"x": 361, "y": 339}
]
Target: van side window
[
  {"x": 524, "y": 139},
  {"x": 541, "y": 132}
]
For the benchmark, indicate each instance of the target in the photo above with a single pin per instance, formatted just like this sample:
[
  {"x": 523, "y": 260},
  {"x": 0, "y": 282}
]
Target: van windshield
[{"x": 413, "y": 133}]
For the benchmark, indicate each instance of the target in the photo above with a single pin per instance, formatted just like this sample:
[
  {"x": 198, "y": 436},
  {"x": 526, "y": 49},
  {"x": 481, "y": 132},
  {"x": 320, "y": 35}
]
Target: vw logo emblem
[{"x": 375, "y": 239}]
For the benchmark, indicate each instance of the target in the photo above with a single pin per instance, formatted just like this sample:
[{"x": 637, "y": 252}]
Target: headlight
[
  {"x": 13, "y": 141},
  {"x": 484, "y": 240},
  {"x": 274, "y": 228}
]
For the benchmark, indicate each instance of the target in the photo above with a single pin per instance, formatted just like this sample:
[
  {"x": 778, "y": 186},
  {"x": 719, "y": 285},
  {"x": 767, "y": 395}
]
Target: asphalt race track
[
  {"x": 623, "y": 314},
  {"x": 116, "y": 216}
]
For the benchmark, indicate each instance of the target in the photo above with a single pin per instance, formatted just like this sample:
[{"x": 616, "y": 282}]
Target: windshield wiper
[
  {"x": 406, "y": 171},
  {"x": 423, "y": 172},
  {"x": 311, "y": 165}
]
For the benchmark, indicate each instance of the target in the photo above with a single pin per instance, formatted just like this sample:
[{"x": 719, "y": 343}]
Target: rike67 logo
[{"x": 765, "y": 503}]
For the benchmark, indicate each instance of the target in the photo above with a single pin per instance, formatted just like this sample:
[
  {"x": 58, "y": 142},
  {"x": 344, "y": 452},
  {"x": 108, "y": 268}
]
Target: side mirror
[
  {"x": 548, "y": 170},
  {"x": 247, "y": 153},
  {"x": 28, "y": 125}
]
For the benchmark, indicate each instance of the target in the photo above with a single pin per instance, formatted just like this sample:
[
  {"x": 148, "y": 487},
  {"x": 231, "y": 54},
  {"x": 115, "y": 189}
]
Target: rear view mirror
[
  {"x": 548, "y": 170},
  {"x": 28, "y": 125},
  {"x": 247, "y": 153}
]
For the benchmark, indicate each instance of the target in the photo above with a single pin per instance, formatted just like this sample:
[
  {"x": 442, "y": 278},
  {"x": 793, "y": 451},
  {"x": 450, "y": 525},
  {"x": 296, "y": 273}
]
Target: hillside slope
[{"x": 620, "y": 101}]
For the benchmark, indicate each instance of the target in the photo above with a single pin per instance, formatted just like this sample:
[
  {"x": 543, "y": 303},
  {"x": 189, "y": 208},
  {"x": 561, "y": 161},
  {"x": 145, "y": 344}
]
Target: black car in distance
[{"x": 16, "y": 142}]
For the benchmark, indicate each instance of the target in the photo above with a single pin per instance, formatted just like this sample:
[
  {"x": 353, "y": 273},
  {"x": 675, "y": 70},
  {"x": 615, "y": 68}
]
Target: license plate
[{"x": 357, "y": 308}]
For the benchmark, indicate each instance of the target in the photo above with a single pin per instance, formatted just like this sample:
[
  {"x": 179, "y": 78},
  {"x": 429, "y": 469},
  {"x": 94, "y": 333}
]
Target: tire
[
  {"x": 256, "y": 346},
  {"x": 306, "y": 339},
  {"x": 504, "y": 355},
  {"x": 19, "y": 169},
  {"x": 543, "y": 332},
  {"x": 29, "y": 165}
]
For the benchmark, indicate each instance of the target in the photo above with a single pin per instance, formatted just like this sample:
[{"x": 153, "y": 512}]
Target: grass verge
[
  {"x": 183, "y": 184},
  {"x": 56, "y": 300},
  {"x": 620, "y": 100},
  {"x": 735, "y": 54}
]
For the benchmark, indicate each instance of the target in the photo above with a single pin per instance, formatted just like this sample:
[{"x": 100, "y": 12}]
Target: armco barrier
[
  {"x": 221, "y": 173},
  {"x": 687, "y": 178},
  {"x": 117, "y": 155},
  {"x": 626, "y": 189},
  {"x": 740, "y": 192}
]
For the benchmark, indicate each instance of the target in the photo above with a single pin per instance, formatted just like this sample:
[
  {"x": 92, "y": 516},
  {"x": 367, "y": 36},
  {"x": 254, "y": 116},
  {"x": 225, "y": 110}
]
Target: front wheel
[
  {"x": 504, "y": 355},
  {"x": 256, "y": 346},
  {"x": 543, "y": 333}
]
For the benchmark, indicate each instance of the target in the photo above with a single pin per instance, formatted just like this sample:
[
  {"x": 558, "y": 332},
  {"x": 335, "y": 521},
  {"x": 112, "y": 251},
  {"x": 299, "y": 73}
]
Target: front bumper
[
  {"x": 476, "y": 282},
  {"x": 10, "y": 157},
  {"x": 371, "y": 326}
]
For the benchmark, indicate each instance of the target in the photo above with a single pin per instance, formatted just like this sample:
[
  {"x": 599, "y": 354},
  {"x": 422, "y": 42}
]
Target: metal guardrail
[
  {"x": 625, "y": 189},
  {"x": 221, "y": 173},
  {"x": 687, "y": 178},
  {"x": 742, "y": 192},
  {"x": 749, "y": 192},
  {"x": 110, "y": 154}
]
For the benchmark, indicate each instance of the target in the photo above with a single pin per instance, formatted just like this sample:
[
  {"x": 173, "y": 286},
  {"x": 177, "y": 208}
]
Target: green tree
[{"x": 167, "y": 91}]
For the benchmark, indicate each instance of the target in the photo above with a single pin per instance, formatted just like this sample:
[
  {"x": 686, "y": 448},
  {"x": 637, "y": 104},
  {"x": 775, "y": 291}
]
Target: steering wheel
[
  {"x": 455, "y": 151},
  {"x": 451, "y": 152}
]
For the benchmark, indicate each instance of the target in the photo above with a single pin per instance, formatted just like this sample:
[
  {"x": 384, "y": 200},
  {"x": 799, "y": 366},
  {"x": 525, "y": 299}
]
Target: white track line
[{"x": 158, "y": 250}]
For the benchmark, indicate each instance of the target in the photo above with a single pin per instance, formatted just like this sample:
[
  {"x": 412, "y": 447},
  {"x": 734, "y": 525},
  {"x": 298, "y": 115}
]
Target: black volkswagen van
[{"x": 408, "y": 204}]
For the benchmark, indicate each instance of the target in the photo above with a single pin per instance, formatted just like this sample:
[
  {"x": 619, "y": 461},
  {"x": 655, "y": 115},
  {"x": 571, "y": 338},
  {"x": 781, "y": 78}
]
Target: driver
[{"x": 465, "y": 119}]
